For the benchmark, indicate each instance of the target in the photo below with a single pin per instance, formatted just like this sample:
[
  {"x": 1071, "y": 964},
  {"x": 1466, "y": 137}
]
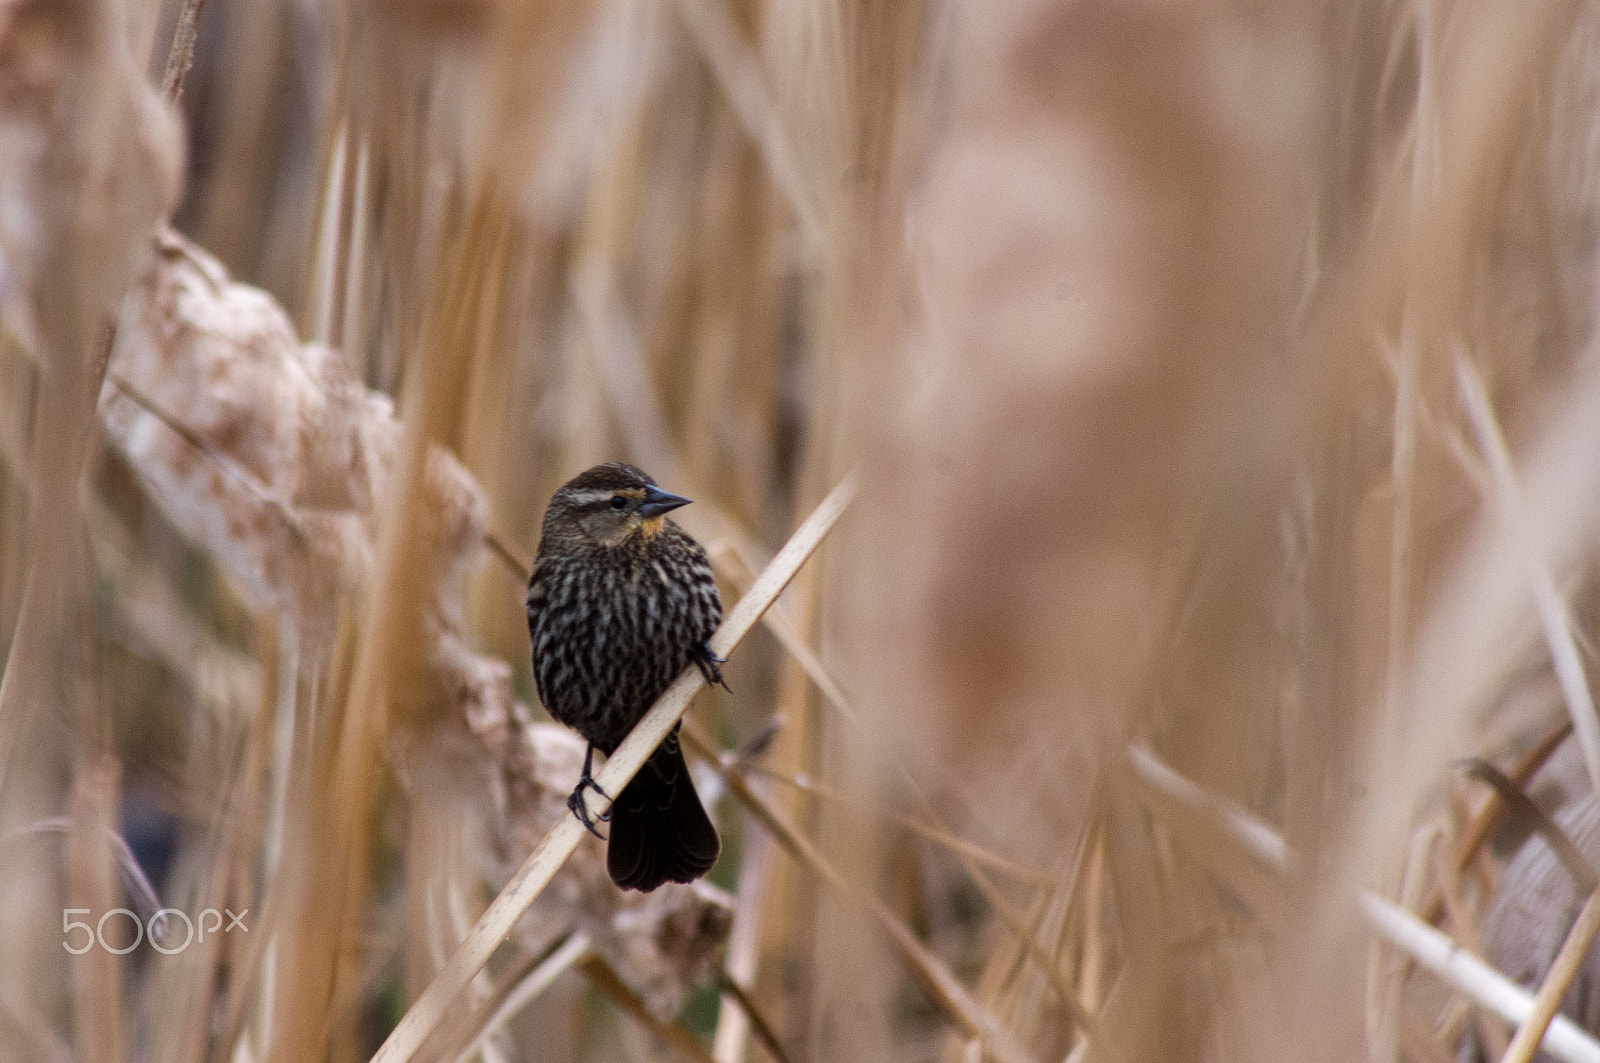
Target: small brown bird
[{"x": 621, "y": 601}]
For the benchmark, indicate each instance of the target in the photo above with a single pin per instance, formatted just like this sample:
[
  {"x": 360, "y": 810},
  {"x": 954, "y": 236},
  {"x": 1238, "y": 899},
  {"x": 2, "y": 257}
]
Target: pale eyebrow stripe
[{"x": 583, "y": 498}]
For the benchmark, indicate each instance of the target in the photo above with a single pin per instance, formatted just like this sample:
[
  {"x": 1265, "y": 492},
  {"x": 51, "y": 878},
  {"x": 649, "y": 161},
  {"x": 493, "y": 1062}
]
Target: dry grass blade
[
  {"x": 181, "y": 57},
  {"x": 1050, "y": 965},
  {"x": 763, "y": 1029},
  {"x": 1552, "y": 610},
  {"x": 778, "y": 621},
  {"x": 971, "y": 856},
  {"x": 1562, "y": 973},
  {"x": 510, "y": 555},
  {"x": 324, "y": 266},
  {"x": 932, "y": 832},
  {"x": 945, "y": 989},
  {"x": 1263, "y": 844},
  {"x": 541, "y": 865},
  {"x": 604, "y": 978},
  {"x": 98, "y": 974},
  {"x": 1420, "y": 1040},
  {"x": 133, "y": 879},
  {"x": 740, "y": 963},
  {"x": 614, "y": 342},
  {"x": 575, "y": 950},
  {"x": 740, "y": 74}
]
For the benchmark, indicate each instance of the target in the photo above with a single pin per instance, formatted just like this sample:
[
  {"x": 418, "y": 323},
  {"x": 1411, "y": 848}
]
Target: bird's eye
[{"x": 618, "y": 502}]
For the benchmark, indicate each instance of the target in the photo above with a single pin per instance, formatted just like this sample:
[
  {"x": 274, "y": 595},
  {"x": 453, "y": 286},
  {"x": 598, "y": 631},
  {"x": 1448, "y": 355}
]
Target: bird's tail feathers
[{"x": 659, "y": 829}]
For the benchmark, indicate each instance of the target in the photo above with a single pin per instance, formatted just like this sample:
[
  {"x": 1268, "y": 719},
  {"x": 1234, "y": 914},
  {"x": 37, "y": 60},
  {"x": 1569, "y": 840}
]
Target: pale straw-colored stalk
[{"x": 542, "y": 864}]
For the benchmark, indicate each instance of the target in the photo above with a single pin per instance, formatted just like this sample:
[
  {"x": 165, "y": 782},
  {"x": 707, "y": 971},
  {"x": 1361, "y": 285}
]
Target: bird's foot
[
  {"x": 579, "y": 807},
  {"x": 706, "y": 659}
]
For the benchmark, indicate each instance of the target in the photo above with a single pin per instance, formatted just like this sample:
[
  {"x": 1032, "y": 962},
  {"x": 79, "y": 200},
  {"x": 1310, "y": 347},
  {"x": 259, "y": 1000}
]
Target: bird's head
[{"x": 610, "y": 505}]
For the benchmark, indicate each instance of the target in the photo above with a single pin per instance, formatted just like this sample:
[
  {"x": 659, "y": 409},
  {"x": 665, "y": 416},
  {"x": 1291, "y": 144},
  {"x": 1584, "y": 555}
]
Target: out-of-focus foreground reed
[{"x": 1222, "y": 388}]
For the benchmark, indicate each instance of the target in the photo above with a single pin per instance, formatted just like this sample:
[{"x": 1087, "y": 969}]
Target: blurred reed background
[{"x": 1222, "y": 383}]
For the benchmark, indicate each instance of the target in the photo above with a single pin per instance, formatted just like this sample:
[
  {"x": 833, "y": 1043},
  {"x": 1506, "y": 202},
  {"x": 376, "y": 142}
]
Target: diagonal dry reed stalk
[
  {"x": 1563, "y": 971},
  {"x": 181, "y": 56},
  {"x": 1554, "y": 618},
  {"x": 933, "y": 832},
  {"x": 575, "y": 950},
  {"x": 541, "y": 865},
  {"x": 604, "y": 977},
  {"x": 739, "y": 72},
  {"x": 744, "y": 939}
]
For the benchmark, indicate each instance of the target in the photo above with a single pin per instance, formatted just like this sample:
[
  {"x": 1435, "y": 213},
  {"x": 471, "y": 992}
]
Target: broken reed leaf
[
  {"x": 1083, "y": 1022},
  {"x": 510, "y": 554},
  {"x": 524, "y": 888},
  {"x": 1489, "y": 817},
  {"x": 1053, "y": 913},
  {"x": 1530, "y": 912},
  {"x": 776, "y": 619},
  {"x": 1519, "y": 804},
  {"x": 134, "y": 880},
  {"x": 1044, "y": 959},
  {"x": 969, "y": 854}
]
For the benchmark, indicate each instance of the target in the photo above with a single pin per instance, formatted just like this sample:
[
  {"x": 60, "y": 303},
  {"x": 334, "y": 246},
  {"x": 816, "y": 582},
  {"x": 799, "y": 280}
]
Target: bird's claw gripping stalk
[
  {"x": 706, "y": 659},
  {"x": 576, "y": 802}
]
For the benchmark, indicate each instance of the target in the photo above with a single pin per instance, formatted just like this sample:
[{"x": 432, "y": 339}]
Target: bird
[{"x": 620, "y": 601}]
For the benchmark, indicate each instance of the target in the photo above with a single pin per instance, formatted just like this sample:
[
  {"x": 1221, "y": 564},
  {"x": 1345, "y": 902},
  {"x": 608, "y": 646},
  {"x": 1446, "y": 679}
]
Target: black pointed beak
[{"x": 657, "y": 502}]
